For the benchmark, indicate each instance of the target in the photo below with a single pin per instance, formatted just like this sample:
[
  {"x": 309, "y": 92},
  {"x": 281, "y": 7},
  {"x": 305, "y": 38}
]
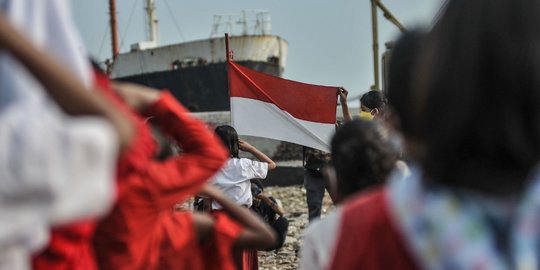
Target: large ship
[{"x": 195, "y": 72}]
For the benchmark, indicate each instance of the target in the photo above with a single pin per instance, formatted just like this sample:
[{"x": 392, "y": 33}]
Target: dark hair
[
  {"x": 229, "y": 138},
  {"x": 373, "y": 100},
  {"x": 361, "y": 155},
  {"x": 479, "y": 106},
  {"x": 401, "y": 79}
]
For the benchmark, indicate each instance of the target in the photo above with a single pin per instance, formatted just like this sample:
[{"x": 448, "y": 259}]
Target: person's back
[
  {"x": 471, "y": 199},
  {"x": 478, "y": 123},
  {"x": 234, "y": 177},
  {"x": 362, "y": 158}
]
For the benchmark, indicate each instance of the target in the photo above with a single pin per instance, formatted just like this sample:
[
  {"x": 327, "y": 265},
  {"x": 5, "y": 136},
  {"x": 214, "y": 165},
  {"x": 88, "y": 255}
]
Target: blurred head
[
  {"x": 401, "y": 80},
  {"x": 229, "y": 138},
  {"x": 362, "y": 156},
  {"x": 478, "y": 100}
]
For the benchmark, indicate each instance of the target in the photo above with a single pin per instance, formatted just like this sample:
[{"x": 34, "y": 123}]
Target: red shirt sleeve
[{"x": 203, "y": 155}]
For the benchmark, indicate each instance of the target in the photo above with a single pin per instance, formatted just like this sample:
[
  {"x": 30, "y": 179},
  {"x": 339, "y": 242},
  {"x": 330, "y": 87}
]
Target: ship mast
[
  {"x": 114, "y": 31},
  {"x": 152, "y": 22}
]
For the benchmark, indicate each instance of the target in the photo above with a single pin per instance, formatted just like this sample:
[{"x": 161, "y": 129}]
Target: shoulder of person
[
  {"x": 320, "y": 241},
  {"x": 249, "y": 162}
]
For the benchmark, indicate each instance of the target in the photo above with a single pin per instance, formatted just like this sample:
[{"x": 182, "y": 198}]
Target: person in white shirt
[
  {"x": 59, "y": 140},
  {"x": 234, "y": 178},
  {"x": 234, "y": 181}
]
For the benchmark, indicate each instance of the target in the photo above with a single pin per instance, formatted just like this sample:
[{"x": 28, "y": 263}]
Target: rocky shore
[{"x": 293, "y": 199}]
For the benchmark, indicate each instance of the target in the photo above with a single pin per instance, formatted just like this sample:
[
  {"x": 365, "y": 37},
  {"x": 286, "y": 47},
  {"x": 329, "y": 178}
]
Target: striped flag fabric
[{"x": 280, "y": 109}]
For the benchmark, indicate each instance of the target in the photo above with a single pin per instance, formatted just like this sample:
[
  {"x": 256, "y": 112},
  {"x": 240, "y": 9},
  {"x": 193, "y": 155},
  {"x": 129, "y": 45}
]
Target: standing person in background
[
  {"x": 234, "y": 180},
  {"x": 314, "y": 161},
  {"x": 372, "y": 105}
]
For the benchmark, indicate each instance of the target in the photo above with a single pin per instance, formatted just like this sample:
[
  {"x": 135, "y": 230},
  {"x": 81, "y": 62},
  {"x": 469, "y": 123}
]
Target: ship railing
[{"x": 249, "y": 22}]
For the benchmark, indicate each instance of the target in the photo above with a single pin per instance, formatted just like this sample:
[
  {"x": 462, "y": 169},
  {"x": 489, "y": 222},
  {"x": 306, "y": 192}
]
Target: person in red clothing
[
  {"x": 362, "y": 158},
  {"x": 70, "y": 245},
  {"x": 143, "y": 232}
]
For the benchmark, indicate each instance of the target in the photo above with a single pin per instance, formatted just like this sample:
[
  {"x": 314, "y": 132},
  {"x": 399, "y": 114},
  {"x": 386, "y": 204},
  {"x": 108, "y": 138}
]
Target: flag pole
[
  {"x": 229, "y": 58},
  {"x": 227, "y": 48}
]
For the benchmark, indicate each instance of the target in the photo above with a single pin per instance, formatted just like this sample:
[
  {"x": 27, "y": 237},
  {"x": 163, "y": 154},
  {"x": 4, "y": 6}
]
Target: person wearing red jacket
[
  {"x": 147, "y": 191},
  {"x": 143, "y": 232},
  {"x": 70, "y": 245}
]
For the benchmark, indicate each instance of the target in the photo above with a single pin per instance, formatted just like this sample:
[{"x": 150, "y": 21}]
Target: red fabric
[
  {"x": 250, "y": 261},
  {"x": 142, "y": 231},
  {"x": 226, "y": 231},
  {"x": 215, "y": 255},
  {"x": 368, "y": 238},
  {"x": 303, "y": 101},
  {"x": 70, "y": 246}
]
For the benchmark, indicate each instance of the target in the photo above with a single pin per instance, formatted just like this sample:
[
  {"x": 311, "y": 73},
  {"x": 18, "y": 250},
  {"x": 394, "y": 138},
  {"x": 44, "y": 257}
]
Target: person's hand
[
  {"x": 244, "y": 146},
  {"x": 342, "y": 92},
  {"x": 137, "y": 96}
]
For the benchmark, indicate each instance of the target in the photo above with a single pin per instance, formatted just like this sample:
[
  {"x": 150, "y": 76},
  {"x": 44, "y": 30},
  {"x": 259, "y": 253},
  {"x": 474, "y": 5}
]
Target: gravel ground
[{"x": 294, "y": 204}]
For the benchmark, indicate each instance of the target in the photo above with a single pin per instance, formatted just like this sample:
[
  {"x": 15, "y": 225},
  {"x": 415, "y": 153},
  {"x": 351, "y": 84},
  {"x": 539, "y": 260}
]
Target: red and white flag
[{"x": 280, "y": 109}]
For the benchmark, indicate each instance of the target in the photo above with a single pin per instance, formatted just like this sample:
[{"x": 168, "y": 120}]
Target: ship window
[
  {"x": 176, "y": 65},
  {"x": 273, "y": 59}
]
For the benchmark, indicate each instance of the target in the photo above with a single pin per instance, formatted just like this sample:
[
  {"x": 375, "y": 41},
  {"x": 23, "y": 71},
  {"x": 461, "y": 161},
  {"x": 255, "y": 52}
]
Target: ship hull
[
  {"x": 200, "y": 88},
  {"x": 195, "y": 72}
]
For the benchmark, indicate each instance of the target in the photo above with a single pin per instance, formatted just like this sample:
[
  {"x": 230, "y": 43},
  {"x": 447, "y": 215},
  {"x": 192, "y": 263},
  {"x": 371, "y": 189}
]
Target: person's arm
[
  {"x": 256, "y": 233},
  {"x": 271, "y": 203},
  {"x": 61, "y": 85},
  {"x": 204, "y": 227},
  {"x": 246, "y": 147},
  {"x": 342, "y": 92},
  {"x": 177, "y": 177}
]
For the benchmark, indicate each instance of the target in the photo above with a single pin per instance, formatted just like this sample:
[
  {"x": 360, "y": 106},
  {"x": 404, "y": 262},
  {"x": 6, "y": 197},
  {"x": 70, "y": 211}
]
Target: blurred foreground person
[
  {"x": 56, "y": 166},
  {"x": 362, "y": 158},
  {"x": 401, "y": 118},
  {"x": 471, "y": 201},
  {"x": 143, "y": 231}
]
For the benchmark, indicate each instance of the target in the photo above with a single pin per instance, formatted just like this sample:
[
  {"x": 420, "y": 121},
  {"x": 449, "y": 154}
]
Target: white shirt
[
  {"x": 53, "y": 168},
  {"x": 233, "y": 179},
  {"x": 320, "y": 240}
]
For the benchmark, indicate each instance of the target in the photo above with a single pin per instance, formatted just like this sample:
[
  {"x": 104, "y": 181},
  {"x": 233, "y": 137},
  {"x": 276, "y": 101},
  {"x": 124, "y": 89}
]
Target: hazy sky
[{"x": 329, "y": 40}]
